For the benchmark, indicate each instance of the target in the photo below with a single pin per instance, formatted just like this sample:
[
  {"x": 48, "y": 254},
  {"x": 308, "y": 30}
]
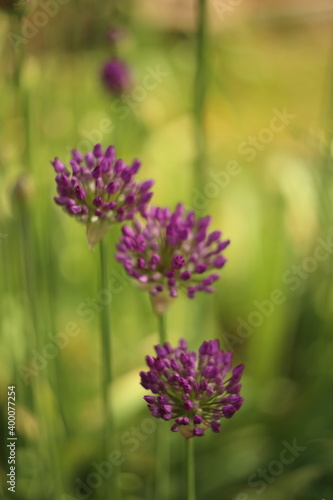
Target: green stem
[
  {"x": 16, "y": 27},
  {"x": 33, "y": 339},
  {"x": 105, "y": 320},
  {"x": 162, "y": 329},
  {"x": 106, "y": 365},
  {"x": 190, "y": 470},
  {"x": 162, "y": 487},
  {"x": 29, "y": 255},
  {"x": 200, "y": 85},
  {"x": 22, "y": 95}
]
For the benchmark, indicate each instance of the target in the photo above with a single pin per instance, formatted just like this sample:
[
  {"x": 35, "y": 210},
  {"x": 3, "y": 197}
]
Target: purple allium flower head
[
  {"x": 194, "y": 390},
  {"x": 100, "y": 190},
  {"x": 116, "y": 76},
  {"x": 171, "y": 251}
]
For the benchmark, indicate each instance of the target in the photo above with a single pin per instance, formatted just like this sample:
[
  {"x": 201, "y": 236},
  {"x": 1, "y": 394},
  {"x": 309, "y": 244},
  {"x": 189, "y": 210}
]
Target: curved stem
[{"x": 190, "y": 470}]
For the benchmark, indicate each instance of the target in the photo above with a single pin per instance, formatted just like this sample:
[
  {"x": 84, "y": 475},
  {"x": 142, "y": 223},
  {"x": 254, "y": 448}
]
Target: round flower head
[
  {"x": 116, "y": 76},
  {"x": 171, "y": 252},
  {"x": 195, "y": 390},
  {"x": 100, "y": 190}
]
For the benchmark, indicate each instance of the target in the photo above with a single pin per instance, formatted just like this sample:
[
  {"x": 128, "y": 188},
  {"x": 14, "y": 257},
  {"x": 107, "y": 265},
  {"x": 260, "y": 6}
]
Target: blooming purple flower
[
  {"x": 116, "y": 76},
  {"x": 172, "y": 251},
  {"x": 100, "y": 190},
  {"x": 192, "y": 389}
]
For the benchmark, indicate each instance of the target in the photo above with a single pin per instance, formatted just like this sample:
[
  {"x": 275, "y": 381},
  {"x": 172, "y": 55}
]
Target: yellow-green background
[{"x": 274, "y": 211}]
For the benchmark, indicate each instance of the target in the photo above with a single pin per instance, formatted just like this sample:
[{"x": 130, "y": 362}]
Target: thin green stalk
[
  {"x": 112, "y": 489},
  {"x": 199, "y": 102},
  {"x": 16, "y": 27},
  {"x": 29, "y": 275},
  {"x": 22, "y": 95},
  {"x": 105, "y": 324},
  {"x": 33, "y": 318},
  {"x": 162, "y": 329},
  {"x": 200, "y": 85},
  {"x": 325, "y": 180},
  {"x": 56, "y": 371},
  {"x": 106, "y": 367},
  {"x": 190, "y": 470},
  {"x": 35, "y": 324},
  {"x": 33, "y": 336},
  {"x": 162, "y": 485}
]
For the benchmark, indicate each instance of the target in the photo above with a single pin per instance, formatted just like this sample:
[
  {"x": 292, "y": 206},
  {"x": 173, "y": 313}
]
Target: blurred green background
[{"x": 267, "y": 184}]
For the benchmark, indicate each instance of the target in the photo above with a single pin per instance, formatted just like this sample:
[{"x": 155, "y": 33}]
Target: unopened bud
[
  {"x": 160, "y": 303},
  {"x": 23, "y": 189}
]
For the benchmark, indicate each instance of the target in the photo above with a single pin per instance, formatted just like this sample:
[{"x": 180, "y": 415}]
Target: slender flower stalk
[
  {"x": 200, "y": 85},
  {"x": 105, "y": 321},
  {"x": 190, "y": 470},
  {"x": 162, "y": 476},
  {"x": 106, "y": 366},
  {"x": 199, "y": 131},
  {"x": 22, "y": 195},
  {"x": 325, "y": 187},
  {"x": 162, "y": 329},
  {"x": 32, "y": 326}
]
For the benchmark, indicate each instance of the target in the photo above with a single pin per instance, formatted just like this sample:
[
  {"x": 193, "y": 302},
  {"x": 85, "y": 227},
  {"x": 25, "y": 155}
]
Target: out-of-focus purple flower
[
  {"x": 172, "y": 251},
  {"x": 194, "y": 390},
  {"x": 116, "y": 76},
  {"x": 18, "y": 7},
  {"x": 100, "y": 190},
  {"x": 116, "y": 33}
]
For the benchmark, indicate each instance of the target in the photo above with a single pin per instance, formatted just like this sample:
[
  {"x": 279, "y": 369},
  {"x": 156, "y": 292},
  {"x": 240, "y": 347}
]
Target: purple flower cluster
[
  {"x": 116, "y": 76},
  {"x": 192, "y": 389},
  {"x": 100, "y": 190},
  {"x": 172, "y": 251}
]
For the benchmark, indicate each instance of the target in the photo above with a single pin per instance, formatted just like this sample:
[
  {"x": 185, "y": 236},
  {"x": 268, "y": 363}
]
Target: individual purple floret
[
  {"x": 100, "y": 190},
  {"x": 172, "y": 251},
  {"x": 194, "y": 390},
  {"x": 116, "y": 76}
]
